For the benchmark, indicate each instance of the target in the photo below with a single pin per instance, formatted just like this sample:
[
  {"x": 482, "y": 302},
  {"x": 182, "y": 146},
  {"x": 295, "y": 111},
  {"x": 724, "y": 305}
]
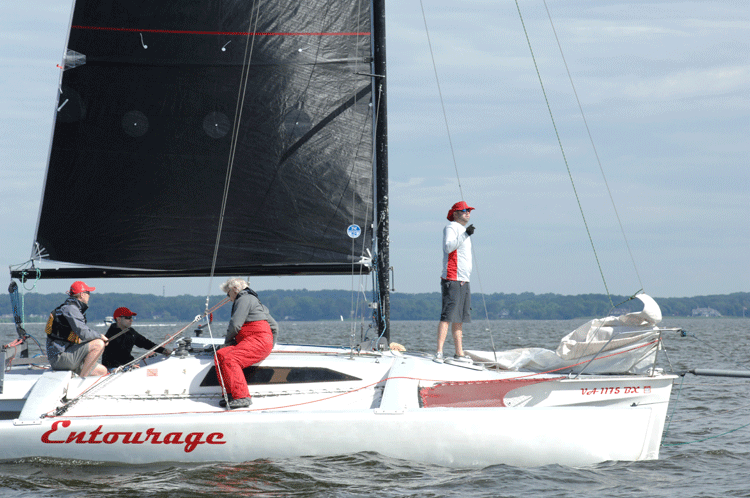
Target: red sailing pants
[{"x": 254, "y": 343}]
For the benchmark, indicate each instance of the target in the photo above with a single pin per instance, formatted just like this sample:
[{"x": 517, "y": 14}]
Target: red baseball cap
[
  {"x": 123, "y": 311},
  {"x": 79, "y": 287},
  {"x": 459, "y": 206}
]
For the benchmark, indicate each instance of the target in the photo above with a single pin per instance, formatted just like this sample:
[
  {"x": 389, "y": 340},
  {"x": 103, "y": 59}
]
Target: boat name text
[
  {"x": 98, "y": 436},
  {"x": 616, "y": 390}
]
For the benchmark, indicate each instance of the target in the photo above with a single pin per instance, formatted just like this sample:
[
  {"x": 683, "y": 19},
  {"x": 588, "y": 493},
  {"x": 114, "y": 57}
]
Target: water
[{"x": 705, "y": 451}]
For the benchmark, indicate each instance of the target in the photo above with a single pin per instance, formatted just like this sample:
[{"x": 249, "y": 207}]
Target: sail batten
[{"x": 141, "y": 147}]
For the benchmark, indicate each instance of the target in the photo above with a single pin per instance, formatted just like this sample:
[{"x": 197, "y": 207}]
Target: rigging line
[
  {"x": 217, "y": 369},
  {"x": 442, "y": 103},
  {"x": 374, "y": 118},
  {"x": 566, "y": 367},
  {"x": 674, "y": 407},
  {"x": 172, "y": 337},
  {"x": 712, "y": 415},
  {"x": 105, "y": 379},
  {"x": 690, "y": 334},
  {"x": 355, "y": 302},
  {"x": 596, "y": 154},
  {"x": 707, "y": 438},
  {"x": 376, "y": 222},
  {"x": 455, "y": 166},
  {"x": 374, "y": 152},
  {"x": 610, "y": 338},
  {"x": 247, "y": 58},
  {"x": 562, "y": 150},
  {"x": 484, "y": 303},
  {"x": 666, "y": 353}
]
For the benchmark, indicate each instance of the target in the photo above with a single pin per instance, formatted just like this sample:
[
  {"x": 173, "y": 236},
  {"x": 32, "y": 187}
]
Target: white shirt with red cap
[{"x": 456, "y": 253}]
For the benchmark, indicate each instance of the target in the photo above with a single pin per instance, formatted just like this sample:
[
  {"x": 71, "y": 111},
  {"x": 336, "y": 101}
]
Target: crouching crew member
[
  {"x": 249, "y": 340},
  {"x": 71, "y": 344}
]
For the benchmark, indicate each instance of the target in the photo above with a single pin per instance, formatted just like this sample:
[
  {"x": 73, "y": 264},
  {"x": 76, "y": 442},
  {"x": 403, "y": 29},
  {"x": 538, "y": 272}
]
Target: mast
[{"x": 381, "y": 169}]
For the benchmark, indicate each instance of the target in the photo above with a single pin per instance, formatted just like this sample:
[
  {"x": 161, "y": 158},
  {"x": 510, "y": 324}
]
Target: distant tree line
[
  {"x": 304, "y": 305},
  {"x": 530, "y": 306}
]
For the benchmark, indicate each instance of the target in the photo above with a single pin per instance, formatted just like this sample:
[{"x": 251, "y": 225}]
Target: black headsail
[{"x": 143, "y": 139}]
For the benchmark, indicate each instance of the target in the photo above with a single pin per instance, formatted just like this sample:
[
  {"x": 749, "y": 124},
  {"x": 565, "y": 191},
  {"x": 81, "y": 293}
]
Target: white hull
[{"x": 406, "y": 407}]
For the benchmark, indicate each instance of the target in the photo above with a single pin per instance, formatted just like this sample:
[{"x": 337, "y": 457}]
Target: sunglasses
[
  {"x": 126, "y": 317},
  {"x": 464, "y": 210}
]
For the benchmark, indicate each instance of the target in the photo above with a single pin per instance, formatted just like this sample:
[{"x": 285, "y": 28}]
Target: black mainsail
[{"x": 159, "y": 99}]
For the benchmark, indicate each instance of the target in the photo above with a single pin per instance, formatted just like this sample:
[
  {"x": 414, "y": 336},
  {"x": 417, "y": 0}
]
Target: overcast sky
[{"x": 665, "y": 87}]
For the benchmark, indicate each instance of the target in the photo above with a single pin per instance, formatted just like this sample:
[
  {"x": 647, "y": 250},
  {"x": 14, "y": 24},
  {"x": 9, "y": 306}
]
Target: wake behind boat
[{"x": 262, "y": 126}]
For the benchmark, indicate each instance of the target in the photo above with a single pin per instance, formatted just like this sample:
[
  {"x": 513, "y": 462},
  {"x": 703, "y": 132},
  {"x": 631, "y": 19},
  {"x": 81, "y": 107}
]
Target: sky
[{"x": 665, "y": 90}]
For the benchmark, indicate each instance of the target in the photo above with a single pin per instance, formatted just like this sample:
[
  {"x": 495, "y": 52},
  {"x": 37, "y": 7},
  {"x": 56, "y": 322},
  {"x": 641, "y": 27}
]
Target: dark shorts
[
  {"x": 71, "y": 359},
  {"x": 456, "y": 302}
]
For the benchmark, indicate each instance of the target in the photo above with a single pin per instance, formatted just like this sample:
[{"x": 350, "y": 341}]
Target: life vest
[{"x": 58, "y": 328}]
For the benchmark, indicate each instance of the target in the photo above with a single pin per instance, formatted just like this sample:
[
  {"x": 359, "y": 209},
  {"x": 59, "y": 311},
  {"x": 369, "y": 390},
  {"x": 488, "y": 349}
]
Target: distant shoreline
[{"x": 313, "y": 306}]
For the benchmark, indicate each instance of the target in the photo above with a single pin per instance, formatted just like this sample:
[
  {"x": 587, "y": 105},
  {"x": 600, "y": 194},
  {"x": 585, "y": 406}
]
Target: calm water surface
[{"x": 705, "y": 451}]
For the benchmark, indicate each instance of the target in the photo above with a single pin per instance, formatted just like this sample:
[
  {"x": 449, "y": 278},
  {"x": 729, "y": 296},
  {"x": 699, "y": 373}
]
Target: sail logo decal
[
  {"x": 353, "y": 231},
  {"x": 98, "y": 436}
]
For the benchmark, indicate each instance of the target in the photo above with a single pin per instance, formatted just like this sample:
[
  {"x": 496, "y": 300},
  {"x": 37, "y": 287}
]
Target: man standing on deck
[
  {"x": 454, "y": 281},
  {"x": 71, "y": 344}
]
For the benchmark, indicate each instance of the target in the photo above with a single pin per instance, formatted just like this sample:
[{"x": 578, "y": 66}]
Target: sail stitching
[{"x": 221, "y": 33}]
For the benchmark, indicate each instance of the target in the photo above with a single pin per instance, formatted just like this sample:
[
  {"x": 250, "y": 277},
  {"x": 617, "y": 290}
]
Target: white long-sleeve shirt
[{"x": 456, "y": 252}]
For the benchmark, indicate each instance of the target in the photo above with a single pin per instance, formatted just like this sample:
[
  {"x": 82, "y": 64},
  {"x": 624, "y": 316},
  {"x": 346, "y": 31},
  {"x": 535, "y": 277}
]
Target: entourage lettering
[{"x": 151, "y": 436}]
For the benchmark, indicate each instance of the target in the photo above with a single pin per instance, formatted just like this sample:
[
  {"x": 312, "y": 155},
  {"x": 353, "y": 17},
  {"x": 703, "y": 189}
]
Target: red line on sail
[{"x": 223, "y": 33}]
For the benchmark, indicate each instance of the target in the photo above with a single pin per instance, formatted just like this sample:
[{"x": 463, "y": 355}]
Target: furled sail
[
  {"x": 149, "y": 107},
  {"x": 625, "y": 344}
]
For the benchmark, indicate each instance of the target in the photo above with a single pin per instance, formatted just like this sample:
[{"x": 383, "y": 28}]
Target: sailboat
[{"x": 253, "y": 137}]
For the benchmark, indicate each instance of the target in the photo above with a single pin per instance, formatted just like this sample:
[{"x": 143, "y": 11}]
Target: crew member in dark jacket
[
  {"x": 249, "y": 340},
  {"x": 118, "y": 351}
]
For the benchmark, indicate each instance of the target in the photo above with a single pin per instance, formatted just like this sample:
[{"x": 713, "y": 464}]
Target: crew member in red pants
[{"x": 249, "y": 340}]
